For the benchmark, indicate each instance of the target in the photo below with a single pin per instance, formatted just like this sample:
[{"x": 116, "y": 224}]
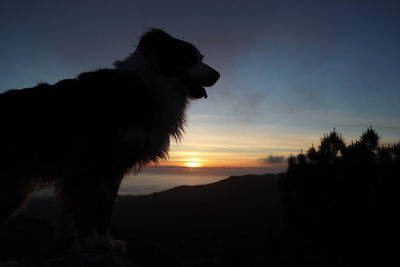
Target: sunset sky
[{"x": 290, "y": 70}]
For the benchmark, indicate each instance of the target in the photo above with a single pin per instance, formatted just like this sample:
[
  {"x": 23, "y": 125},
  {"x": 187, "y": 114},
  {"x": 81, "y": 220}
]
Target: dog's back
[{"x": 46, "y": 123}]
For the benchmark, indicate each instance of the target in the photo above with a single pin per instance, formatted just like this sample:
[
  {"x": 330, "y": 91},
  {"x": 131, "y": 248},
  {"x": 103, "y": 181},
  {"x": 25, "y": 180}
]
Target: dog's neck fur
[
  {"x": 144, "y": 67},
  {"x": 173, "y": 104}
]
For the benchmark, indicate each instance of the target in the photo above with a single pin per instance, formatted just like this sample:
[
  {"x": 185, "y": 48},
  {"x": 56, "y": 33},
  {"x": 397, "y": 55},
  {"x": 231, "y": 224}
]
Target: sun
[{"x": 192, "y": 164}]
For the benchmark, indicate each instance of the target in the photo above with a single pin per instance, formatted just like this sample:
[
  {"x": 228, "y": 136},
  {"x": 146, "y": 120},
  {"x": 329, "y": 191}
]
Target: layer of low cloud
[{"x": 272, "y": 159}]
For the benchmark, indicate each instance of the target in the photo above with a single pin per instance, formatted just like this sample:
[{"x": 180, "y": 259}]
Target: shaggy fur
[{"x": 82, "y": 135}]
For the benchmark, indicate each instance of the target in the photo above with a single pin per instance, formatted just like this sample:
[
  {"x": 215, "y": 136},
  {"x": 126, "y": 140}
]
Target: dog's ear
[
  {"x": 152, "y": 41},
  {"x": 172, "y": 55}
]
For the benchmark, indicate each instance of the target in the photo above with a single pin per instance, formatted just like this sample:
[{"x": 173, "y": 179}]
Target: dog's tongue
[
  {"x": 204, "y": 92},
  {"x": 196, "y": 91}
]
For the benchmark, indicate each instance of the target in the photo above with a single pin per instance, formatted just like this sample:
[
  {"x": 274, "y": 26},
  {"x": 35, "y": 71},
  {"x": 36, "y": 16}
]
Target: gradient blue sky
[{"x": 290, "y": 70}]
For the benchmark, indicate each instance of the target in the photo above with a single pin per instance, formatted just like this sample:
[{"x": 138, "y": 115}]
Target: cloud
[{"x": 271, "y": 159}]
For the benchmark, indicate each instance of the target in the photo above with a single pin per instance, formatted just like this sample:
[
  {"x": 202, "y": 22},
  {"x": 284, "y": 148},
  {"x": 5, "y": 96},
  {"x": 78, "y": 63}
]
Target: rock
[
  {"x": 9, "y": 264},
  {"x": 90, "y": 258}
]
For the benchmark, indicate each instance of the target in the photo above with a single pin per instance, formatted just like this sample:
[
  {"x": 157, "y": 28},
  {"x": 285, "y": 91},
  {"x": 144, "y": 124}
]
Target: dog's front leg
[
  {"x": 106, "y": 205},
  {"x": 88, "y": 195},
  {"x": 103, "y": 213}
]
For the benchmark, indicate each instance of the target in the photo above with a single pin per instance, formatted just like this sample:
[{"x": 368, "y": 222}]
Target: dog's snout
[
  {"x": 215, "y": 76},
  {"x": 203, "y": 74}
]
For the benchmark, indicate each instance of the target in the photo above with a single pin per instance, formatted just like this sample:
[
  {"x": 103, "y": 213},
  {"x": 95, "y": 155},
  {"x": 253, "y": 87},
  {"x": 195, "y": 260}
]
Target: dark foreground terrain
[
  {"x": 234, "y": 222},
  {"x": 328, "y": 209}
]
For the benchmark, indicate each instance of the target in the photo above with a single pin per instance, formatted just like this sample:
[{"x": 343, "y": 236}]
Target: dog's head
[{"x": 179, "y": 59}]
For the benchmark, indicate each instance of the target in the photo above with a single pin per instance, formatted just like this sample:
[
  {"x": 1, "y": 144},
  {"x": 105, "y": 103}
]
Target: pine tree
[
  {"x": 370, "y": 139},
  {"x": 331, "y": 145}
]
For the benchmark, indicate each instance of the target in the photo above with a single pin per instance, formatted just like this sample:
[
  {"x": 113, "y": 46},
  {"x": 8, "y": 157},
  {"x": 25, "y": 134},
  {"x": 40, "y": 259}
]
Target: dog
[{"x": 82, "y": 135}]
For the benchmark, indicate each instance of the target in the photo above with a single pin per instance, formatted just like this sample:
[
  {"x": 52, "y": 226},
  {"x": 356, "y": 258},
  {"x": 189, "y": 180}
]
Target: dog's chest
[{"x": 150, "y": 140}]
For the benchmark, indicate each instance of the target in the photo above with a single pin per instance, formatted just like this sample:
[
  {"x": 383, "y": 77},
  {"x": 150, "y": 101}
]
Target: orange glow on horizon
[
  {"x": 216, "y": 149},
  {"x": 192, "y": 164},
  {"x": 208, "y": 161}
]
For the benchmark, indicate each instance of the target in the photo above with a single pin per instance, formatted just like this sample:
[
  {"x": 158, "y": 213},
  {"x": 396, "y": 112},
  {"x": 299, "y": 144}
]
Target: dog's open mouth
[{"x": 194, "y": 88}]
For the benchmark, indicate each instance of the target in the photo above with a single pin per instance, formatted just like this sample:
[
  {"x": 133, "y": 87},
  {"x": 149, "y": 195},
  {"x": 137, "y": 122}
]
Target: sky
[{"x": 290, "y": 70}]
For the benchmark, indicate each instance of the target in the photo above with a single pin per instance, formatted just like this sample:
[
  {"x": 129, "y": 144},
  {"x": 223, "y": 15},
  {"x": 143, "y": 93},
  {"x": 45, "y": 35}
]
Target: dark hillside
[
  {"x": 233, "y": 205},
  {"x": 235, "y": 221}
]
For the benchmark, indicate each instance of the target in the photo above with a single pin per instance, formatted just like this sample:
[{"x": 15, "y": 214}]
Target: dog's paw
[
  {"x": 94, "y": 243},
  {"x": 101, "y": 243},
  {"x": 119, "y": 245}
]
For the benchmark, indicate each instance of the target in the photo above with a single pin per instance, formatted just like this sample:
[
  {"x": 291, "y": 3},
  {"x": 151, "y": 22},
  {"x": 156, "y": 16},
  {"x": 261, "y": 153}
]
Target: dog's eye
[{"x": 201, "y": 57}]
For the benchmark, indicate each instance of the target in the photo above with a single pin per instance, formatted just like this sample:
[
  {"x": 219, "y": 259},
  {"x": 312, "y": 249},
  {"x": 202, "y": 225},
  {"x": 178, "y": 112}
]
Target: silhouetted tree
[
  {"x": 385, "y": 154},
  {"x": 370, "y": 139},
  {"x": 331, "y": 145},
  {"x": 396, "y": 151},
  {"x": 337, "y": 193},
  {"x": 291, "y": 162},
  {"x": 301, "y": 159},
  {"x": 312, "y": 155}
]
